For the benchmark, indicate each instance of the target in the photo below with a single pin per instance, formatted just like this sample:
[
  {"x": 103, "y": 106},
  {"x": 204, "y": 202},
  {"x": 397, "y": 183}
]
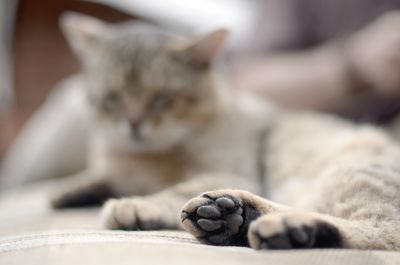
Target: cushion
[{"x": 32, "y": 233}]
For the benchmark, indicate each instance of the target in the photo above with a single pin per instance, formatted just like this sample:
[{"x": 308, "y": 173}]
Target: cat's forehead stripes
[
  {"x": 143, "y": 60},
  {"x": 157, "y": 73}
]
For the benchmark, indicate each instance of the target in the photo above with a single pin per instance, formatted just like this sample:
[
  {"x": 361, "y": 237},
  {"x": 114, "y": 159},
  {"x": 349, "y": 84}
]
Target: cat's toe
[
  {"x": 217, "y": 218},
  {"x": 119, "y": 214},
  {"x": 132, "y": 214},
  {"x": 293, "y": 231}
]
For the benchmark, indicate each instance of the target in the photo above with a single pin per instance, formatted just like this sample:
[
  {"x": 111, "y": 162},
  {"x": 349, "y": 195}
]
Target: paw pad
[{"x": 216, "y": 220}]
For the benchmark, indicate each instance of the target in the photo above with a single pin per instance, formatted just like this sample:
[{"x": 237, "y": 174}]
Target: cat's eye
[
  {"x": 112, "y": 96},
  {"x": 111, "y": 100},
  {"x": 162, "y": 101},
  {"x": 191, "y": 99}
]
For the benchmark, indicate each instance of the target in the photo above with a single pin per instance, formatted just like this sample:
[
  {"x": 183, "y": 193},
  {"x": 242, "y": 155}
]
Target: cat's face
[{"x": 150, "y": 89}]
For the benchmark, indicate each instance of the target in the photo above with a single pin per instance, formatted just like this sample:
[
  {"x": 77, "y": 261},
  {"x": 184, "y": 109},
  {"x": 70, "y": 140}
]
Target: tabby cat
[{"x": 166, "y": 129}]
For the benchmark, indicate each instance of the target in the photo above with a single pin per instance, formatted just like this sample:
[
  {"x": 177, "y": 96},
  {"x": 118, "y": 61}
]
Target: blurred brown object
[
  {"x": 42, "y": 57},
  {"x": 335, "y": 56}
]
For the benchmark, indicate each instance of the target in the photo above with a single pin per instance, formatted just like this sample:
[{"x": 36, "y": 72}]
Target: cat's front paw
[
  {"x": 80, "y": 194},
  {"x": 219, "y": 217},
  {"x": 73, "y": 198},
  {"x": 294, "y": 230},
  {"x": 133, "y": 214}
]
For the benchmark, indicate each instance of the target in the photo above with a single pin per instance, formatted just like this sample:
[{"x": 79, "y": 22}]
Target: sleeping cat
[
  {"x": 157, "y": 120},
  {"x": 166, "y": 129}
]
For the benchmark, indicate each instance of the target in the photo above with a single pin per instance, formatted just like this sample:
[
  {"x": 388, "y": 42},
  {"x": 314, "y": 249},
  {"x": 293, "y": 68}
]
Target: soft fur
[{"x": 165, "y": 130}]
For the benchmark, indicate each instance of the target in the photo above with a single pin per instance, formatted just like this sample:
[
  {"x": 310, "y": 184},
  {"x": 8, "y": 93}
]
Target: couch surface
[{"x": 31, "y": 233}]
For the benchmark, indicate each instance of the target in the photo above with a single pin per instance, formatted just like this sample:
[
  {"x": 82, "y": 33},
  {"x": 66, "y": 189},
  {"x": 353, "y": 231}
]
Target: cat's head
[{"x": 149, "y": 88}]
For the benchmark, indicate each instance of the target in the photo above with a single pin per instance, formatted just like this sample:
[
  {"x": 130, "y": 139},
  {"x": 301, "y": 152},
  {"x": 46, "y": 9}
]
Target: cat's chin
[
  {"x": 143, "y": 147},
  {"x": 136, "y": 146}
]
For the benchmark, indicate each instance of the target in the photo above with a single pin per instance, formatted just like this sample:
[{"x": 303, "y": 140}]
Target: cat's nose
[
  {"x": 135, "y": 127},
  {"x": 135, "y": 120},
  {"x": 135, "y": 123}
]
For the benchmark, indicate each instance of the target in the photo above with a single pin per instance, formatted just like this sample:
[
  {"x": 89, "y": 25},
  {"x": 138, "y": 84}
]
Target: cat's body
[
  {"x": 165, "y": 130},
  {"x": 337, "y": 185}
]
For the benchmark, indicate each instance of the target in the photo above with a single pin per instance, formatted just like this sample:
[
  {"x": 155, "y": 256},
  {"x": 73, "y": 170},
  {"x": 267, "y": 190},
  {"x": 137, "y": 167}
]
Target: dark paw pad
[{"x": 217, "y": 220}]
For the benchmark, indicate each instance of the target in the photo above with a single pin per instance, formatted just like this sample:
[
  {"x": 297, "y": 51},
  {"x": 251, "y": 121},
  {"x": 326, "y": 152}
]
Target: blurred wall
[
  {"x": 7, "y": 15},
  {"x": 41, "y": 56}
]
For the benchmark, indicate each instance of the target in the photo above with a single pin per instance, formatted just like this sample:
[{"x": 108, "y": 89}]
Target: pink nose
[
  {"x": 135, "y": 127},
  {"x": 135, "y": 122},
  {"x": 135, "y": 117}
]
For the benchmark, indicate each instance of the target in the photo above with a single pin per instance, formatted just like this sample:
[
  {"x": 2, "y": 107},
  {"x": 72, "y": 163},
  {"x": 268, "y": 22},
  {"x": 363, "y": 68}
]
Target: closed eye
[
  {"x": 111, "y": 100},
  {"x": 162, "y": 101}
]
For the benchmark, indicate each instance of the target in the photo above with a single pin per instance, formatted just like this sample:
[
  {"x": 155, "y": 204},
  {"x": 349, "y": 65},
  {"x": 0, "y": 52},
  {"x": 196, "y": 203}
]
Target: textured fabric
[
  {"x": 32, "y": 233},
  {"x": 102, "y": 247}
]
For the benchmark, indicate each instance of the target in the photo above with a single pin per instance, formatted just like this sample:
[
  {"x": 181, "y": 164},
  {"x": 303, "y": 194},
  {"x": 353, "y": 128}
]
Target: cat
[
  {"x": 166, "y": 128},
  {"x": 157, "y": 120}
]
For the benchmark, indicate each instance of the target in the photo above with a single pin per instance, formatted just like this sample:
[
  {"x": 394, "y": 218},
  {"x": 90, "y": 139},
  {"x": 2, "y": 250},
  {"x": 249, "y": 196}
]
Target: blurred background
[
  {"x": 291, "y": 51},
  {"x": 34, "y": 55}
]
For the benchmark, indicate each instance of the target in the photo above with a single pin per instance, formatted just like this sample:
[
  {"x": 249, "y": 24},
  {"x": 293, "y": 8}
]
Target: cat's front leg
[
  {"x": 240, "y": 218},
  {"x": 161, "y": 210},
  {"x": 82, "y": 189}
]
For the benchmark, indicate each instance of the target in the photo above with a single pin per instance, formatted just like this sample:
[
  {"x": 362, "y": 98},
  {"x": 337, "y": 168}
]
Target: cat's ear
[
  {"x": 202, "y": 50},
  {"x": 84, "y": 33}
]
